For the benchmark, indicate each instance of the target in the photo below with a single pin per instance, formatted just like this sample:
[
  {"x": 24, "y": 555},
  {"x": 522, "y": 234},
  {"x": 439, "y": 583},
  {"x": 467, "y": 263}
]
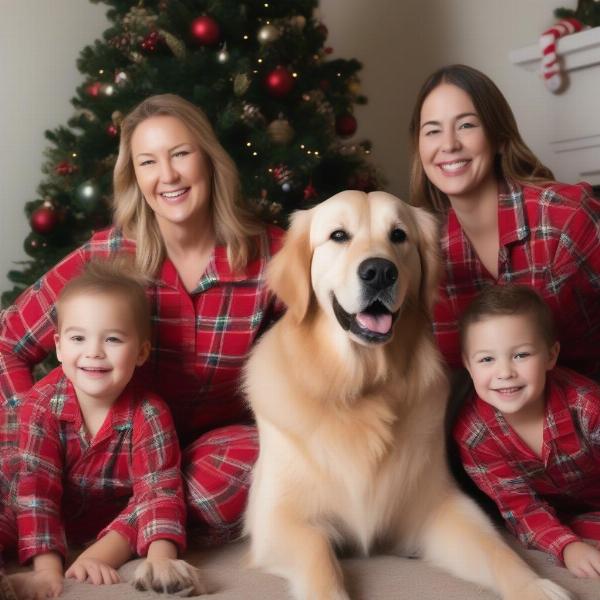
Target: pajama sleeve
[
  {"x": 39, "y": 486},
  {"x": 156, "y": 510},
  {"x": 529, "y": 517}
]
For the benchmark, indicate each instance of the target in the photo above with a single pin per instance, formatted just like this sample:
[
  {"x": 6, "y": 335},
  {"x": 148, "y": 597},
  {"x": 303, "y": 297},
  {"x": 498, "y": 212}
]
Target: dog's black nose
[{"x": 378, "y": 273}]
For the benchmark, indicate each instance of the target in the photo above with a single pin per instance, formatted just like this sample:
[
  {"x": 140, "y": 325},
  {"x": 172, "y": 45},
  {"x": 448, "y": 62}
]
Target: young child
[
  {"x": 97, "y": 455},
  {"x": 530, "y": 436}
]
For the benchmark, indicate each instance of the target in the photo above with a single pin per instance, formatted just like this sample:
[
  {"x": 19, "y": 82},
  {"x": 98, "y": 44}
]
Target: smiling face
[
  {"x": 365, "y": 261},
  {"x": 507, "y": 358},
  {"x": 99, "y": 345},
  {"x": 172, "y": 172},
  {"x": 454, "y": 149}
]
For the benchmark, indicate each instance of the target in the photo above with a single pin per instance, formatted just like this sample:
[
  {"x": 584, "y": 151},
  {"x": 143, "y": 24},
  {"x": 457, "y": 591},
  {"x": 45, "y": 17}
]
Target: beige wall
[
  {"x": 398, "y": 41},
  {"x": 40, "y": 41},
  {"x": 401, "y": 41}
]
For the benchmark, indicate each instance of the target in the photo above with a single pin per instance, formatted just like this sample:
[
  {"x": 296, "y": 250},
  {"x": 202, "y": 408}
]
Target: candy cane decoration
[{"x": 551, "y": 70}]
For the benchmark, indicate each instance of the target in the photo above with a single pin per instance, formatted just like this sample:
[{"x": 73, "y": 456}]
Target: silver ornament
[
  {"x": 121, "y": 78},
  {"x": 268, "y": 34},
  {"x": 223, "y": 56},
  {"x": 87, "y": 196}
]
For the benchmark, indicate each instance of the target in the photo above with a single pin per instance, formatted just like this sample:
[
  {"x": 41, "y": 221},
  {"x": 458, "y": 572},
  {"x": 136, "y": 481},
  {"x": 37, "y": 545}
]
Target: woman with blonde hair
[
  {"x": 177, "y": 210},
  {"x": 504, "y": 218}
]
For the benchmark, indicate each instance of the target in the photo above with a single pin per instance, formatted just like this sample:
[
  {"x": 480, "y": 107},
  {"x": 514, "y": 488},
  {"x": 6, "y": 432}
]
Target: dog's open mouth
[{"x": 373, "y": 324}]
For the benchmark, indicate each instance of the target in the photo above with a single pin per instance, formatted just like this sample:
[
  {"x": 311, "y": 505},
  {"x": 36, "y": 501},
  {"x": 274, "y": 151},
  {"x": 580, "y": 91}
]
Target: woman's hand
[
  {"x": 93, "y": 570},
  {"x": 169, "y": 576},
  {"x": 583, "y": 560}
]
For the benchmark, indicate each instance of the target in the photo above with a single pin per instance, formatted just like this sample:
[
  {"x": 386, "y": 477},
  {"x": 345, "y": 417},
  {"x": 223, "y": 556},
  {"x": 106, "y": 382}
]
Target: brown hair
[
  {"x": 233, "y": 225},
  {"x": 114, "y": 277},
  {"x": 511, "y": 299},
  {"x": 514, "y": 160}
]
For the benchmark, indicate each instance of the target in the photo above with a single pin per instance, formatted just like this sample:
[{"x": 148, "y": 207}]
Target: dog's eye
[
  {"x": 339, "y": 235},
  {"x": 397, "y": 236}
]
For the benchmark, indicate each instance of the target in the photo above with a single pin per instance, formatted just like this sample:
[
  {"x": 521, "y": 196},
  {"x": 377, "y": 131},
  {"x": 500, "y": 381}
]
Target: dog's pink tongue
[{"x": 376, "y": 323}]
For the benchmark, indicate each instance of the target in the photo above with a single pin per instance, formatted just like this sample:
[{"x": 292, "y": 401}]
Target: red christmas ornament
[
  {"x": 322, "y": 30},
  {"x": 93, "y": 89},
  {"x": 65, "y": 168},
  {"x": 360, "y": 181},
  {"x": 279, "y": 82},
  {"x": 43, "y": 220},
  {"x": 112, "y": 130},
  {"x": 151, "y": 42},
  {"x": 206, "y": 31},
  {"x": 309, "y": 191},
  {"x": 345, "y": 125}
]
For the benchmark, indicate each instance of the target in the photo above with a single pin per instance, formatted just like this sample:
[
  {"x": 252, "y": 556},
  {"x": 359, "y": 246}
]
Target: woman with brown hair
[
  {"x": 504, "y": 218},
  {"x": 177, "y": 210}
]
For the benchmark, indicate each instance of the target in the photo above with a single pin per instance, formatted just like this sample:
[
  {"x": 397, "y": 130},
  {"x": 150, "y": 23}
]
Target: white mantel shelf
[{"x": 577, "y": 51}]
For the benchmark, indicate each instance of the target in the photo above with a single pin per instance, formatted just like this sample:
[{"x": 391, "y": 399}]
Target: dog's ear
[
  {"x": 288, "y": 274},
  {"x": 431, "y": 266}
]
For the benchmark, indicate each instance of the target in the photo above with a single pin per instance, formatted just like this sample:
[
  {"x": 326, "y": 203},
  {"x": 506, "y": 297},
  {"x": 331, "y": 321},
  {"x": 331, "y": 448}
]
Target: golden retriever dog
[{"x": 349, "y": 395}]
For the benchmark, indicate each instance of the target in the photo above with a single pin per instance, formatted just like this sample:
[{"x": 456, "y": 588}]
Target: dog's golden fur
[{"x": 351, "y": 431}]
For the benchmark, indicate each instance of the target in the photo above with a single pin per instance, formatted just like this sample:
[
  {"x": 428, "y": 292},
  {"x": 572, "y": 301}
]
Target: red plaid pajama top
[
  {"x": 200, "y": 339},
  {"x": 543, "y": 500},
  {"x": 127, "y": 478},
  {"x": 549, "y": 240}
]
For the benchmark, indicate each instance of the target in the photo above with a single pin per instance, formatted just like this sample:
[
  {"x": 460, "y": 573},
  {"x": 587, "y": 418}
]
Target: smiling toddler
[
  {"x": 530, "y": 435},
  {"x": 98, "y": 455}
]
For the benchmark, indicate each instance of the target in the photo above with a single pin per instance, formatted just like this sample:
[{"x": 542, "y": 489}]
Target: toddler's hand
[
  {"x": 93, "y": 570},
  {"x": 583, "y": 560}
]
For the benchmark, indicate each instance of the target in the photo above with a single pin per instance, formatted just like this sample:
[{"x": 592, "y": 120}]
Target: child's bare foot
[{"x": 37, "y": 585}]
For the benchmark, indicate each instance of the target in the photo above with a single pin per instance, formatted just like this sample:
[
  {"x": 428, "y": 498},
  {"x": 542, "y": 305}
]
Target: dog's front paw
[
  {"x": 169, "y": 576},
  {"x": 542, "y": 589}
]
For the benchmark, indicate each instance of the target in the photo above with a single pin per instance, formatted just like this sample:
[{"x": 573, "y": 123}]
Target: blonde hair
[
  {"x": 513, "y": 161},
  {"x": 112, "y": 277},
  {"x": 234, "y": 226}
]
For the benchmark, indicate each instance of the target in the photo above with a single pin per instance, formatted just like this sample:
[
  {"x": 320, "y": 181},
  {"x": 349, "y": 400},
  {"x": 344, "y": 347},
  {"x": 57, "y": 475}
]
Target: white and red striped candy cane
[{"x": 551, "y": 71}]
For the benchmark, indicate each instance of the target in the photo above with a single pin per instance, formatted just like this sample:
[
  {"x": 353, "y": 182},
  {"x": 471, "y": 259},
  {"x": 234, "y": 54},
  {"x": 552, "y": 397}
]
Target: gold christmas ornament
[
  {"x": 280, "y": 131},
  {"x": 117, "y": 117},
  {"x": 87, "y": 114},
  {"x": 354, "y": 87},
  {"x": 241, "y": 83},
  {"x": 268, "y": 34},
  {"x": 175, "y": 45},
  {"x": 298, "y": 22}
]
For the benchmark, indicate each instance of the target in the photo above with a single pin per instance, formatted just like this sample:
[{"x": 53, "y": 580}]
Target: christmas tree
[{"x": 260, "y": 70}]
